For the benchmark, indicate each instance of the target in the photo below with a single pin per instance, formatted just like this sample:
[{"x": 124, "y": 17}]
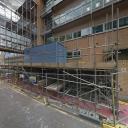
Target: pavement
[{"x": 18, "y": 110}]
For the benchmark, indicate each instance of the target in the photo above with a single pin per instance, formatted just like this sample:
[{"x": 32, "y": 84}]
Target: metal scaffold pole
[{"x": 113, "y": 101}]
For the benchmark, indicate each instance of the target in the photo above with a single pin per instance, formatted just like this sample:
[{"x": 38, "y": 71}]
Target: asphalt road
[{"x": 20, "y": 111}]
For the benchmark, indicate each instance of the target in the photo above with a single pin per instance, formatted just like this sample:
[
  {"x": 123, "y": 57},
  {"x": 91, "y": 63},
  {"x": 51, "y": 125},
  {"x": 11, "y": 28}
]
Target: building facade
[
  {"x": 91, "y": 31},
  {"x": 93, "y": 34}
]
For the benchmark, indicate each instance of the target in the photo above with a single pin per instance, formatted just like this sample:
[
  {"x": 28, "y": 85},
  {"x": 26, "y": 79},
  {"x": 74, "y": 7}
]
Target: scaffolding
[{"x": 88, "y": 83}]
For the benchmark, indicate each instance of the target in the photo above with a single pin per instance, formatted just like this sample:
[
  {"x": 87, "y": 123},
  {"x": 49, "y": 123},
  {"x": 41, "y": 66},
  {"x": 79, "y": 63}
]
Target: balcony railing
[
  {"x": 57, "y": 2},
  {"x": 81, "y": 10},
  {"x": 49, "y": 5},
  {"x": 12, "y": 40}
]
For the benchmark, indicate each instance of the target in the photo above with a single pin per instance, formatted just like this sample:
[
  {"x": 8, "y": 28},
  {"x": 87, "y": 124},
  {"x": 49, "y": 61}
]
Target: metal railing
[
  {"x": 81, "y": 10},
  {"x": 49, "y": 6},
  {"x": 12, "y": 40}
]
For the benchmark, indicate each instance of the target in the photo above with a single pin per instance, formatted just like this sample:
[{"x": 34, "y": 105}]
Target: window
[
  {"x": 69, "y": 36},
  {"x": 56, "y": 39},
  {"x": 108, "y": 26},
  {"x": 115, "y": 24},
  {"x": 77, "y": 34},
  {"x": 86, "y": 31},
  {"x": 98, "y": 29},
  {"x": 62, "y": 38},
  {"x": 76, "y": 53},
  {"x": 49, "y": 38},
  {"x": 123, "y": 22},
  {"x": 69, "y": 55},
  {"x": 91, "y": 114}
]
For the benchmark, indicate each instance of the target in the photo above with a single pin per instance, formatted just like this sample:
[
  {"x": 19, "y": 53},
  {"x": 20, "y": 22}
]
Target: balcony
[
  {"x": 80, "y": 11},
  {"x": 48, "y": 7},
  {"x": 10, "y": 41}
]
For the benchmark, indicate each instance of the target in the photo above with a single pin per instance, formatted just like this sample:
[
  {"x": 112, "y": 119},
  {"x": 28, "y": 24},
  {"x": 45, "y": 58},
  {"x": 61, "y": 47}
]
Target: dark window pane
[
  {"x": 56, "y": 39},
  {"x": 77, "y": 34},
  {"x": 115, "y": 24},
  {"x": 50, "y": 40},
  {"x": 62, "y": 38},
  {"x": 108, "y": 26},
  {"x": 69, "y": 36},
  {"x": 98, "y": 29},
  {"x": 69, "y": 54},
  {"x": 76, "y": 53},
  {"x": 126, "y": 21},
  {"x": 123, "y": 22}
]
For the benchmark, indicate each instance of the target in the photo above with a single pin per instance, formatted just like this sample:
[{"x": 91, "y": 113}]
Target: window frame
[
  {"x": 76, "y": 51},
  {"x": 62, "y": 38},
  {"x": 69, "y": 34},
  {"x": 69, "y": 56},
  {"x": 94, "y": 31},
  {"x": 76, "y": 34},
  {"x": 125, "y": 22}
]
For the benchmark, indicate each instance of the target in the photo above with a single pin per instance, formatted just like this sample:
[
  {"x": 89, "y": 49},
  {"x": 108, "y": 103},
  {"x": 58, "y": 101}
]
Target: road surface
[{"x": 20, "y": 111}]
